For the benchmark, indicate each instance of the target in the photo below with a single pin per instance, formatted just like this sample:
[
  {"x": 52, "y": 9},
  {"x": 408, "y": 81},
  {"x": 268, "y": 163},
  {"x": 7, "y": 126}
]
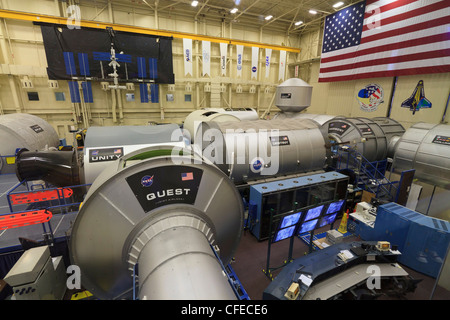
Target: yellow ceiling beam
[{"x": 26, "y": 16}]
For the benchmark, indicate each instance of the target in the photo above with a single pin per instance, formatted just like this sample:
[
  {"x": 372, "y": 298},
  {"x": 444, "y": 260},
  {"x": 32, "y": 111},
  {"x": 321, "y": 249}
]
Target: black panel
[
  {"x": 60, "y": 39},
  {"x": 161, "y": 186}
]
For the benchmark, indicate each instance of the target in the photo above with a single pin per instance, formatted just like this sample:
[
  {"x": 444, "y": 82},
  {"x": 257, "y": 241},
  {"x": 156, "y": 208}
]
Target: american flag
[
  {"x": 187, "y": 176},
  {"x": 386, "y": 38}
]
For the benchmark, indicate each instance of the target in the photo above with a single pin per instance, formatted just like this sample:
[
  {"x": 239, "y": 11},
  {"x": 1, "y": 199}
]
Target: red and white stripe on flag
[{"x": 386, "y": 38}]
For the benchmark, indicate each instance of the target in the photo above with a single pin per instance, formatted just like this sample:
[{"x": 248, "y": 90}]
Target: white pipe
[
  {"x": 74, "y": 113},
  {"x": 83, "y": 106},
  {"x": 14, "y": 93},
  {"x": 111, "y": 15},
  {"x": 57, "y": 10},
  {"x": 113, "y": 105},
  {"x": 85, "y": 114},
  {"x": 156, "y": 15},
  {"x": 119, "y": 103},
  {"x": 1, "y": 108}
]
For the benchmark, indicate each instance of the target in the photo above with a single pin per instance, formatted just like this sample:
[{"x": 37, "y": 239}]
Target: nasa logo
[
  {"x": 188, "y": 55},
  {"x": 370, "y": 97},
  {"x": 267, "y": 61},
  {"x": 253, "y": 69},
  {"x": 147, "y": 181},
  {"x": 257, "y": 165}
]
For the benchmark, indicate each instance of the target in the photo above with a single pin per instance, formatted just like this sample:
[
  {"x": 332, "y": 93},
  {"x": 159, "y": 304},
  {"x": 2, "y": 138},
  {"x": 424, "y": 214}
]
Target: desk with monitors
[
  {"x": 292, "y": 195},
  {"x": 307, "y": 220},
  {"x": 291, "y": 224}
]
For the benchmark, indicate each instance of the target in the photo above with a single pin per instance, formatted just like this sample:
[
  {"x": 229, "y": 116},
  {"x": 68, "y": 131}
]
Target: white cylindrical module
[
  {"x": 241, "y": 113},
  {"x": 194, "y": 119},
  {"x": 293, "y": 95},
  {"x": 425, "y": 147},
  {"x": 319, "y": 118},
  {"x": 165, "y": 215},
  {"x": 22, "y": 130},
  {"x": 106, "y": 144},
  {"x": 250, "y": 150}
]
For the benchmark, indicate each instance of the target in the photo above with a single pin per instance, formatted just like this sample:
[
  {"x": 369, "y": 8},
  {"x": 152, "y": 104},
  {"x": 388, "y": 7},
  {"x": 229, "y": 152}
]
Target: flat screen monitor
[
  {"x": 290, "y": 220},
  {"x": 335, "y": 206},
  {"x": 308, "y": 226},
  {"x": 284, "y": 233},
  {"x": 313, "y": 213},
  {"x": 329, "y": 219}
]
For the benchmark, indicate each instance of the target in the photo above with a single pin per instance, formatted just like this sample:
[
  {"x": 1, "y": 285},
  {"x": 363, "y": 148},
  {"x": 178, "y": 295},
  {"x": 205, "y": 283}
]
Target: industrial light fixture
[
  {"x": 234, "y": 10},
  {"x": 313, "y": 11},
  {"x": 298, "y": 23},
  {"x": 268, "y": 17},
  {"x": 194, "y": 3},
  {"x": 338, "y": 4}
]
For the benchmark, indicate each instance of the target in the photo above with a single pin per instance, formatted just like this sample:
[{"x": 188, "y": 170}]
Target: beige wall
[
  {"x": 339, "y": 98},
  {"x": 22, "y": 54}
]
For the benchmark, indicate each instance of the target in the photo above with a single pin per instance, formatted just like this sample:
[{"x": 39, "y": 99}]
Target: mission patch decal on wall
[
  {"x": 370, "y": 97},
  {"x": 161, "y": 186},
  {"x": 102, "y": 155}
]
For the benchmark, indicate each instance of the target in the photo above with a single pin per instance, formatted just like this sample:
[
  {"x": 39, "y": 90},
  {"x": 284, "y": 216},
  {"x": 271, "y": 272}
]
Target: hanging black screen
[{"x": 80, "y": 53}]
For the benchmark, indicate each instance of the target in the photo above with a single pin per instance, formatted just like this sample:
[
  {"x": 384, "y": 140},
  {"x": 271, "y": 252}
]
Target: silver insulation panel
[
  {"x": 425, "y": 147},
  {"x": 193, "y": 120},
  {"x": 22, "y": 130},
  {"x": 251, "y": 150}
]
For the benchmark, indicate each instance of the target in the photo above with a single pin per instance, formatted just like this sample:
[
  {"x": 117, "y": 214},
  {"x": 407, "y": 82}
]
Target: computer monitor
[
  {"x": 335, "y": 206},
  {"x": 307, "y": 226},
  {"x": 313, "y": 213},
  {"x": 329, "y": 219},
  {"x": 290, "y": 220},
  {"x": 284, "y": 233}
]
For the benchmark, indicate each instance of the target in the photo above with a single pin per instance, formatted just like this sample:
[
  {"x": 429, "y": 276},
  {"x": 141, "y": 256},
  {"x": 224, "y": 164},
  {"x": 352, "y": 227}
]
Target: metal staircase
[{"x": 369, "y": 176}]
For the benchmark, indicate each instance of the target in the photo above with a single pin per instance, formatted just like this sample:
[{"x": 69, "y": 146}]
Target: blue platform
[{"x": 421, "y": 239}]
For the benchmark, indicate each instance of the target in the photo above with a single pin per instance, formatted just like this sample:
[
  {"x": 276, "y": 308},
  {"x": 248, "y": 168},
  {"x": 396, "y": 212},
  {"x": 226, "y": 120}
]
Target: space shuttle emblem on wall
[{"x": 417, "y": 100}]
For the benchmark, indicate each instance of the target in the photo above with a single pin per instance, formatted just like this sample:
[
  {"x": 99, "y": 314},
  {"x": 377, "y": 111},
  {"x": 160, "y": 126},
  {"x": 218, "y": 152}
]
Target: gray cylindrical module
[
  {"x": 251, "y": 150},
  {"x": 373, "y": 138},
  {"x": 425, "y": 147},
  {"x": 393, "y": 131},
  {"x": 136, "y": 202},
  {"x": 22, "y": 130}
]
